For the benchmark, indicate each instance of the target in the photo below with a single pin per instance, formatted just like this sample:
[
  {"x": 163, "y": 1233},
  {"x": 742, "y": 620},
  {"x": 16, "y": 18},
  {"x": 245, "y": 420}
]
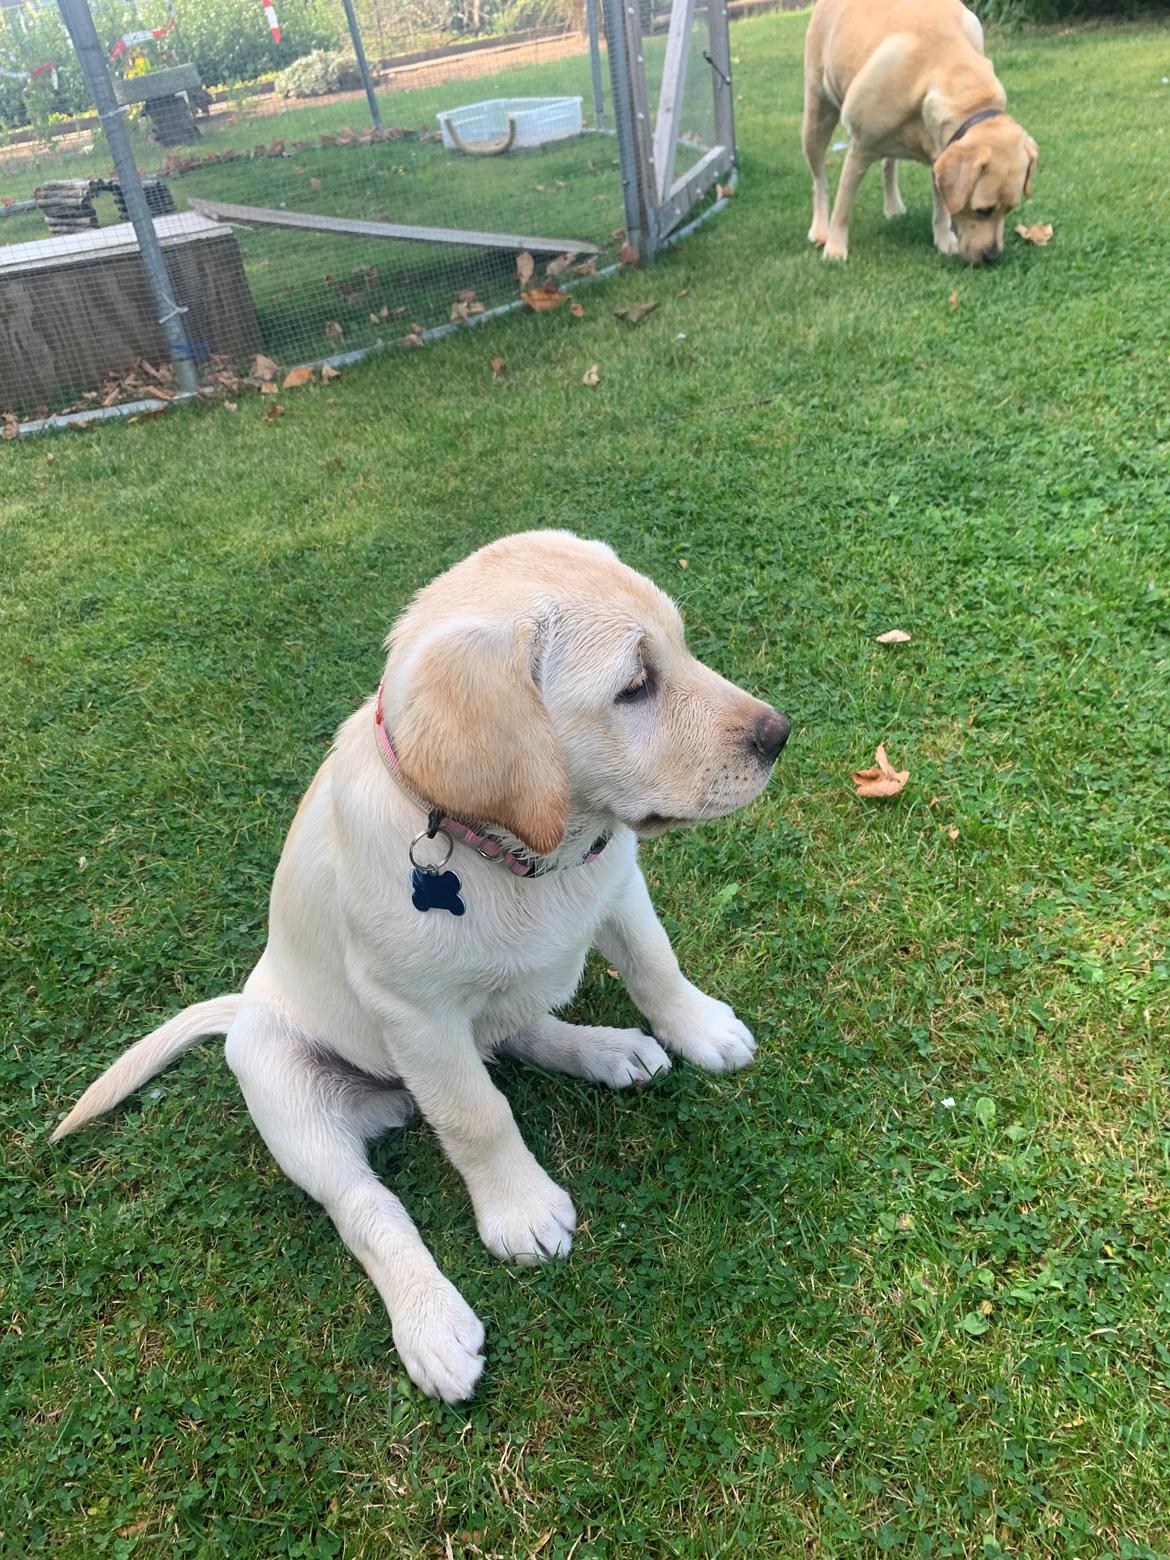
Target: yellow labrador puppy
[
  {"x": 909, "y": 79},
  {"x": 472, "y": 834}
]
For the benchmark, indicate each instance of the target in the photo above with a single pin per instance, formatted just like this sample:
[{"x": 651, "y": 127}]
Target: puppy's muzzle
[
  {"x": 991, "y": 254},
  {"x": 769, "y": 734}
]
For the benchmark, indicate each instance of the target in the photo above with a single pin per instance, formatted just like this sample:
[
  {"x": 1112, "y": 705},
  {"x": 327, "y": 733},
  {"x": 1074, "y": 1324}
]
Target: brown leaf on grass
[
  {"x": 296, "y": 377},
  {"x": 328, "y": 372},
  {"x": 560, "y": 265},
  {"x": 1040, "y": 233},
  {"x": 525, "y": 265},
  {"x": 724, "y": 191},
  {"x": 11, "y": 429},
  {"x": 952, "y": 833},
  {"x": 577, "y": 310},
  {"x": 268, "y": 388},
  {"x": 893, "y": 636},
  {"x": 263, "y": 367},
  {"x": 333, "y": 330},
  {"x": 882, "y": 780},
  {"x": 462, "y": 310},
  {"x": 586, "y": 268},
  {"x": 466, "y": 296},
  {"x": 628, "y": 255},
  {"x": 544, "y": 298},
  {"x": 953, "y": 300},
  {"x": 230, "y": 406},
  {"x": 274, "y": 411},
  {"x": 591, "y": 376},
  {"x": 498, "y": 366},
  {"x": 314, "y": 184},
  {"x": 413, "y": 338},
  {"x": 636, "y": 312}
]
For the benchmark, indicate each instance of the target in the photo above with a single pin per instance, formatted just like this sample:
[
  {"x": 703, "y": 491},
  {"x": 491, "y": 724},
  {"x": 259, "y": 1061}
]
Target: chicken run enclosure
[{"x": 169, "y": 237}]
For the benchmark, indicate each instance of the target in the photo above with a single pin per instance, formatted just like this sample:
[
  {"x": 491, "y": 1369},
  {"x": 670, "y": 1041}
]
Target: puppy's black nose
[
  {"x": 769, "y": 735},
  {"x": 991, "y": 254}
]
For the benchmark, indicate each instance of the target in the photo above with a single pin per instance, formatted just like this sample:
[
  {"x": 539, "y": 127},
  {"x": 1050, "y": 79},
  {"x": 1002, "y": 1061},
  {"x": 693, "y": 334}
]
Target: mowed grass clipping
[{"x": 902, "y": 1288}]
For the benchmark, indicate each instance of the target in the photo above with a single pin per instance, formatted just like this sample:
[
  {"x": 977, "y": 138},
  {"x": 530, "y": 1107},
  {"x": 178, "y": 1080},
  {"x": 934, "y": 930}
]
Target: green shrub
[
  {"x": 1059, "y": 10},
  {"x": 317, "y": 74}
]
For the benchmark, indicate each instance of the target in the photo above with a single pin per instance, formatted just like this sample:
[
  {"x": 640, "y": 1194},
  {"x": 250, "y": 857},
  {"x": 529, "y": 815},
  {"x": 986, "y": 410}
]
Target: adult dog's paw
[
  {"x": 707, "y": 1032},
  {"x": 526, "y": 1217},
  {"x": 439, "y": 1339}
]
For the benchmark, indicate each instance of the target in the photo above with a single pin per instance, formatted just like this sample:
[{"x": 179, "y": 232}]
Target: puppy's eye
[
  {"x": 985, "y": 211},
  {"x": 638, "y": 689}
]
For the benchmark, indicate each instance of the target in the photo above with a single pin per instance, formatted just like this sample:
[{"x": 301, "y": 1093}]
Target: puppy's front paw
[
  {"x": 835, "y": 249},
  {"x": 707, "y": 1032},
  {"x": 439, "y": 1339},
  {"x": 946, "y": 243},
  {"x": 525, "y": 1217},
  {"x": 818, "y": 235}
]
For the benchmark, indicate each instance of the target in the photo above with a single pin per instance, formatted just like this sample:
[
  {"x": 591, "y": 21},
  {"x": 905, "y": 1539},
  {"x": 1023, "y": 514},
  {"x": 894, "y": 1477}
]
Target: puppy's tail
[{"x": 150, "y": 1056}]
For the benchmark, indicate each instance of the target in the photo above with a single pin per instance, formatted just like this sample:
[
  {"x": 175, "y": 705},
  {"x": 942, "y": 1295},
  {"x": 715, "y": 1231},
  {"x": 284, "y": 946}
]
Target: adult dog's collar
[
  {"x": 485, "y": 843},
  {"x": 971, "y": 121}
]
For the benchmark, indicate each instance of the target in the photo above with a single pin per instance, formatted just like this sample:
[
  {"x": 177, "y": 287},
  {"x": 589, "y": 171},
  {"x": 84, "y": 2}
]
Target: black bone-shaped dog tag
[{"x": 436, "y": 890}]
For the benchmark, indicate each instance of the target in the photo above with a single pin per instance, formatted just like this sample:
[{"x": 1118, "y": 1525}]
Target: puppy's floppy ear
[
  {"x": 956, "y": 173},
  {"x": 1033, "y": 152},
  {"x": 473, "y": 735}
]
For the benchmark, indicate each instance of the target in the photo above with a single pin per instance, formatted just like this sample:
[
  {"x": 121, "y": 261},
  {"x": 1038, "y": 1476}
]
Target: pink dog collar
[{"x": 490, "y": 848}]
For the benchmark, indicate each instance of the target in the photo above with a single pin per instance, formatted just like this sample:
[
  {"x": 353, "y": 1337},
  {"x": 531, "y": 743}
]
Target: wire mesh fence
[{"x": 302, "y": 219}]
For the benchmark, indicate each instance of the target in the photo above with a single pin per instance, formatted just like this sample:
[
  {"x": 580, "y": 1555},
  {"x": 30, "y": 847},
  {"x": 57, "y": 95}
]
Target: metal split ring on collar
[{"x": 428, "y": 866}]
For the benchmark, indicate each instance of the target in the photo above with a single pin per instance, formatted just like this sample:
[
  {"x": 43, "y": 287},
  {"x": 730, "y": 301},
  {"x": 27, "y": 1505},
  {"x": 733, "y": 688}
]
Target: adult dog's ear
[
  {"x": 1033, "y": 152},
  {"x": 956, "y": 173},
  {"x": 472, "y": 733}
]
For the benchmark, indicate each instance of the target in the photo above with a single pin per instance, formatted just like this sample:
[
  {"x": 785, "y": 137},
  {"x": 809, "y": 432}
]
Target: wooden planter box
[{"x": 76, "y": 309}]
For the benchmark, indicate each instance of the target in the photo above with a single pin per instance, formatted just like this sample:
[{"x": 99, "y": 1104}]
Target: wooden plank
[
  {"x": 693, "y": 185},
  {"x": 670, "y": 96},
  {"x": 353, "y": 227},
  {"x": 45, "y": 254}
]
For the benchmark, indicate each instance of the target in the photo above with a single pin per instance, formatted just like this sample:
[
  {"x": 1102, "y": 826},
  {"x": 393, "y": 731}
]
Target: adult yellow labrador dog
[
  {"x": 909, "y": 80},
  {"x": 472, "y": 834}
]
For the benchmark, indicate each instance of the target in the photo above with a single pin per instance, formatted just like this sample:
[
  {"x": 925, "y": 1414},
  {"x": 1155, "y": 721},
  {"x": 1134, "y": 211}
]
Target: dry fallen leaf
[
  {"x": 882, "y": 780},
  {"x": 895, "y": 636},
  {"x": 525, "y": 265},
  {"x": 268, "y": 388},
  {"x": 560, "y": 265},
  {"x": 724, "y": 191},
  {"x": 263, "y": 367},
  {"x": 628, "y": 255},
  {"x": 544, "y": 298},
  {"x": 314, "y": 184},
  {"x": 296, "y": 377},
  {"x": 273, "y": 411},
  {"x": 333, "y": 330},
  {"x": 328, "y": 372},
  {"x": 636, "y": 313},
  {"x": 498, "y": 366},
  {"x": 953, "y": 300},
  {"x": 230, "y": 406},
  {"x": 577, "y": 310},
  {"x": 682, "y": 563},
  {"x": 952, "y": 833},
  {"x": 413, "y": 339},
  {"x": 1039, "y": 233},
  {"x": 591, "y": 376}
]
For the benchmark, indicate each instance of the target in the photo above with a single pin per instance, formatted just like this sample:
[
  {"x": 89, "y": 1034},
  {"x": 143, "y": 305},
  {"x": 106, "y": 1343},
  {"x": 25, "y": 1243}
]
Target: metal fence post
[
  {"x": 595, "y": 61},
  {"x": 632, "y": 136},
  {"x": 362, "y": 64},
  {"x": 91, "y": 56},
  {"x": 721, "y": 69}
]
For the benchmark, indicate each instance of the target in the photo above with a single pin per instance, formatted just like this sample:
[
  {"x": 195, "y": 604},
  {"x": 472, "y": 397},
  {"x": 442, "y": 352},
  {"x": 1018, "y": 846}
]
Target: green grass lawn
[{"x": 901, "y": 1288}]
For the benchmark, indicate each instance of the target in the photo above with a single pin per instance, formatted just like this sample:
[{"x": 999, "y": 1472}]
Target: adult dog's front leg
[
  {"x": 700, "y": 1028},
  {"x": 522, "y": 1214}
]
